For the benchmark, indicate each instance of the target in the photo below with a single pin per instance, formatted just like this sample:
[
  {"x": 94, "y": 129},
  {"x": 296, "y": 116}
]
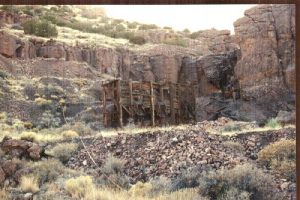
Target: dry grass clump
[
  {"x": 80, "y": 187},
  {"x": 281, "y": 157},
  {"x": 4, "y": 195},
  {"x": 29, "y": 136},
  {"x": 42, "y": 102},
  {"x": 39, "y": 137},
  {"x": 141, "y": 189},
  {"x": 70, "y": 134},
  {"x": 64, "y": 151},
  {"x": 46, "y": 170},
  {"x": 29, "y": 184}
]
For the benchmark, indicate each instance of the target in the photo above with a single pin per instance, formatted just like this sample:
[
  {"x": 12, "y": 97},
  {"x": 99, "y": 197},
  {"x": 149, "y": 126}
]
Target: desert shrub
[
  {"x": 194, "y": 35},
  {"x": 273, "y": 123},
  {"x": 281, "y": 157},
  {"x": 42, "y": 102},
  {"x": 187, "y": 179},
  {"x": 234, "y": 146},
  {"x": 48, "y": 120},
  {"x": 30, "y": 91},
  {"x": 231, "y": 128},
  {"x": 39, "y": 27},
  {"x": 147, "y": 26},
  {"x": 243, "y": 180},
  {"x": 113, "y": 173},
  {"x": 3, "y": 74},
  {"x": 132, "y": 25},
  {"x": 29, "y": 184},
  {"x": 120, "y": 27},
  {"x": 80, "y": 187},
  {"x": 137, "y": 40},
  {"x": 160, "y": 185},
  {"x": 70, "y": 134},
  {"x": 140, "y": 189},
  {"x": 235, "y": 194},
  {"x": 46, "y": 170},
  {"x": 176, "y": 41},
  {"x": 187, "y": 31},
  {"x": 64, "y": 151},
  {"x": 29, "y": 136}
]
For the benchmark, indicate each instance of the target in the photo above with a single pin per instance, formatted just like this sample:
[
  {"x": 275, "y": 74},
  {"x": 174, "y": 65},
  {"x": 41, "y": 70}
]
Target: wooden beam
[
  {"x": 120, "y": 109},
  {"x": 152, "y": 105},
  {"x": 172, "y": 96},
  {"x": 104, "y": 108}
]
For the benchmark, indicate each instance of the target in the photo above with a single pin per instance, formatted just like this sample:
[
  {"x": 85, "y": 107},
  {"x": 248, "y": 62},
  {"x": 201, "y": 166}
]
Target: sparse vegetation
[
  {"x": 113, "y": 173},
  {"x": 80, "y": 187},
  {"x": 137, "y": 40},
  {"x": 273, "y": 123},
  {"x": 281, "y": 157},
  {"x": 247, "y": 179},
  {"x": 39, "y": 27},
  {"x": 178, "y": 41},
  {"x": 64, "y": 151}
]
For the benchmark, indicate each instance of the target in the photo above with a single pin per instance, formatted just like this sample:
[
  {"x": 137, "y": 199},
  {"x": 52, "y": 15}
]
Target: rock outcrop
[
  {"x": 266, "y": 36},
  {"x": 21, "y": 148}
]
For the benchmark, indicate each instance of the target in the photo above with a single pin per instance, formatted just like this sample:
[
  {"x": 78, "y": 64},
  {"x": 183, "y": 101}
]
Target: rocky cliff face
[
  {"x": 266, "y": 36},
  {"x": 261, "y": 55}
]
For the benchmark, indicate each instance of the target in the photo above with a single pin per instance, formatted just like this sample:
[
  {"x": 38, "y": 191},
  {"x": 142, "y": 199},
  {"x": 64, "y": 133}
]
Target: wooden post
[
  {"x": 172, "y": 96},
  {"x": 120, "y": 109},
  {"x": 152, "y": 104},
  {"x": 104, "y": 107},
  {"x": 130, "y": 92}
]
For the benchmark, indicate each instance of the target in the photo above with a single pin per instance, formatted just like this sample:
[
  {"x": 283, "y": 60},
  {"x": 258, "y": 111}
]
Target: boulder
[
  {"x": 8, "y": 45},
  {"x": 21, "y": 148}
]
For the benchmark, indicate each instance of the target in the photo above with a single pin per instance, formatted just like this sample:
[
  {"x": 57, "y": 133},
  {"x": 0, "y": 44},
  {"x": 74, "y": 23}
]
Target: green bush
[
  {"x": 194, "y": 35},
  {"x": 176, "y": 41},
  {"x": 272, "y": 123},
  {"x": 137, "y": 40},
  {"x": 39, "y": 27},
  {"x": 132, "y": 25},
  {"x": 48, "y": 120},
  {"x": 147, "y": 26}
]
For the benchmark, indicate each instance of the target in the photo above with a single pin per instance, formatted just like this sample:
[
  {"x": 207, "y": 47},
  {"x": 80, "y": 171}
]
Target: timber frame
[{"x": 147, "y": 103}]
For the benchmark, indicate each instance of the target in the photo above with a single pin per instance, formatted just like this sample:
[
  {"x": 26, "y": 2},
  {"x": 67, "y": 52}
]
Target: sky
[{"x": 179, "y": 17}]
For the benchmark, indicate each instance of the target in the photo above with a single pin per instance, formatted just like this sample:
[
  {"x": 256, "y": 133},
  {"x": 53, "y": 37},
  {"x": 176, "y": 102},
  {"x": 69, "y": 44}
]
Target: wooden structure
[{"x": 147, "y": 103}]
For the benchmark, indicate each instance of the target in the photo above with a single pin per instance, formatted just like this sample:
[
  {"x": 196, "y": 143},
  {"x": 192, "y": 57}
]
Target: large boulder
[{"x": 21, "y": 148}]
